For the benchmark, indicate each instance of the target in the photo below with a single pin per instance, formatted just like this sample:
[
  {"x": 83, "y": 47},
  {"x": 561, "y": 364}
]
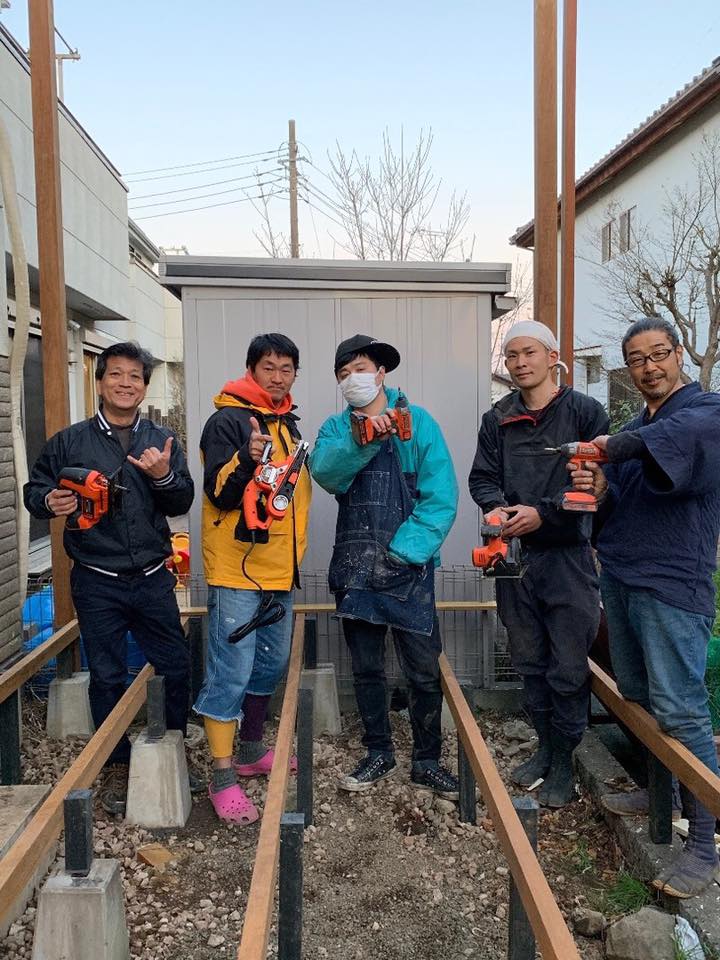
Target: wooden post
[
  {"x": 292, "y": 149},
  {"x": 567, "y": 206},
  {"x": 51, "y": 265},
  {"x": 545, "y": 253}
]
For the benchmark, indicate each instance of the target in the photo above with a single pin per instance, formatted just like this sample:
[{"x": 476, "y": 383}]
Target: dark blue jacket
[{"x": 661, "y": 517}]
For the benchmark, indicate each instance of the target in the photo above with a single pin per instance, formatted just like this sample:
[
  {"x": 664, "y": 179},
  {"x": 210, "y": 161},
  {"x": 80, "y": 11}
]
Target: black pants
[
  {"x": 552, "y": 616},
  {"x": 418, "y": 656},
  {"x": 107, "y": 607}
]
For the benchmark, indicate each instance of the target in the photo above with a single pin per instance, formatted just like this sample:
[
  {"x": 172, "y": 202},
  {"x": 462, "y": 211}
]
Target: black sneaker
[
  {"x": 113, "y": 792},
  {"x": 197, "y": 783},
  {"x": 439, "y": 780},
  {"x": 369, "y": 771}
]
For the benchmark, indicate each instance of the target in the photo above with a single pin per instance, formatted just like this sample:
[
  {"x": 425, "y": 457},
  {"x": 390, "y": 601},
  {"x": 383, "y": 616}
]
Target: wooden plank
[
  {"x": 18, "y": 865},
  {"x": 551, "y": 932},
  {"x": 669, "y": 751},
  {"x": 14, "y": 678},
  {"x": 46, "y": 152},
  {"x": 298, "y": 608},
  {"x": 545, "y": 254},
  {"x": 258, "y": 913},
  {"x": 567, "y": 203}
]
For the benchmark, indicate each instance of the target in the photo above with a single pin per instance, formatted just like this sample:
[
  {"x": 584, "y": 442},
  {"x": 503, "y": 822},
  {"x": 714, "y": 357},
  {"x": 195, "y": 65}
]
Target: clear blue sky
[{"x": 163, "y": 83}]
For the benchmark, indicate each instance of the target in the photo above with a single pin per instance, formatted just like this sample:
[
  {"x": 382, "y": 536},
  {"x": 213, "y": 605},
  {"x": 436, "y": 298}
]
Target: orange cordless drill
[
  {"x": 578, "y": 453},
  {"x": 98, "y": 495},
  {"x": 498, "y": 557},
  {"x": 268, "y": 495},
  {"x": 363, "y": 431}
]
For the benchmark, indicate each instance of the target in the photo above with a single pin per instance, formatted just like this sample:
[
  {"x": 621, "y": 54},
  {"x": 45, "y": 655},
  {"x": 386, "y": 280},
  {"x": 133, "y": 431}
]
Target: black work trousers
[
  {"x": 418, "y": 655},
  {"x": 107, "y": 607},
  {"x": 552, "y": 616}
]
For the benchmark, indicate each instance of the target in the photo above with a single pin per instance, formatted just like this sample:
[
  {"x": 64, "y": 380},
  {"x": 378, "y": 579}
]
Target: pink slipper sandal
[
  {"x": 233, "y": 804},
  {"x": 261, "y": 767}
]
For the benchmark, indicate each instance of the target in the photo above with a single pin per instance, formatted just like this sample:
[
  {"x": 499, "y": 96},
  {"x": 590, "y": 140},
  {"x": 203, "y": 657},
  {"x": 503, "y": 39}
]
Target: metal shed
[{"x": 439, "y": 317}]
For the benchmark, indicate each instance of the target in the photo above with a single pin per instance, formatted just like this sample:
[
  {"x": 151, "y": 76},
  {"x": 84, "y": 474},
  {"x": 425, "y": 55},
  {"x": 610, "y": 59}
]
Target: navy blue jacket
[
  {"x": 661, "y": 518},
  {"x": 138, "y": 536}
]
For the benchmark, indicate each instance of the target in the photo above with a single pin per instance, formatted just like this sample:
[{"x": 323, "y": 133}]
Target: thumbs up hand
[{"x": 155, "y": 463}]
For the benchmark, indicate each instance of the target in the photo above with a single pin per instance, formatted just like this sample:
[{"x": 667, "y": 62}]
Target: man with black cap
[{"x": 397, "y": 501}]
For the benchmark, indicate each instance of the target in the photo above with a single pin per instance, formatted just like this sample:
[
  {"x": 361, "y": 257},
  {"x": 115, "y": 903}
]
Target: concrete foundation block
[
  {"x": 68, "y": 713},
  {"x": 18, "y": 805},
  {"x": 82, "y": 916},
  {"x": 326, "y": 711},
  {"x": 158, "y": 787}
]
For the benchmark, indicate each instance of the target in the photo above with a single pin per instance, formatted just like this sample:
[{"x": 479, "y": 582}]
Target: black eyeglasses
[{"x": 657, "y": 356}]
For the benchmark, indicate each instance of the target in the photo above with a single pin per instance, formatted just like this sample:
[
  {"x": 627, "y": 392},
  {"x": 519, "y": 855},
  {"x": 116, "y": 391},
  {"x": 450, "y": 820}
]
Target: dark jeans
[
  {"x": 107, "y": 607},
  {"x": 418, "y": 656},
  {"x": 552, "y": 616}
]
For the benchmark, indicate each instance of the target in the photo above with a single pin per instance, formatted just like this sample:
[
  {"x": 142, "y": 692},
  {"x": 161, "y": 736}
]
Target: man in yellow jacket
[{"x": 241, "y": 674}]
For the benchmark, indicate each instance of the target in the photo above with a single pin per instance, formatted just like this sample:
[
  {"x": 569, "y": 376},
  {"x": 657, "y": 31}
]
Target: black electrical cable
[{"x": 269, "y": 610}]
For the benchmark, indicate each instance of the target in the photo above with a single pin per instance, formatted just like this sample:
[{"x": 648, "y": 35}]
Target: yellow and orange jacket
[{"x": 227, "y": 470}]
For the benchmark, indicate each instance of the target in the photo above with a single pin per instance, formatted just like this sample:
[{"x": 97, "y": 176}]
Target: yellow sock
[{"x": 221, "y": 736}]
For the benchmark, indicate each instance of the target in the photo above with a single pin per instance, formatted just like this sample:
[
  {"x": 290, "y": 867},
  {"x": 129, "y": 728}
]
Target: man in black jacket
[
  {"x": 552, "y": 613},
  {"x": 119, "y": 580}
]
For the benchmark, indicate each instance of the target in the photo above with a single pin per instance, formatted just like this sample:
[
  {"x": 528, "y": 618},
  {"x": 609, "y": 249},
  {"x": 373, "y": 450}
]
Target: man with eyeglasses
[{"x": 659, "y": 521}]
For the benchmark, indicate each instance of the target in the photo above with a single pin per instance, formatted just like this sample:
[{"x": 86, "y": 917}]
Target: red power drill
[
  {"x": 578, "y": 453},
  {"x": 362, "y": 428},
  {"x": 98, "y": 495},
  {"x": 498, "y": 557},
  {"x": 268, "y": 495}
]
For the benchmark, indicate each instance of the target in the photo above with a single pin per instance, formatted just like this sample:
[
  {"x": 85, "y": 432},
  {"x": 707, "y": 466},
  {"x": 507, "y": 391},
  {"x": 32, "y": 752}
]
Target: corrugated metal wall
[{"x": 444, "y": 341}]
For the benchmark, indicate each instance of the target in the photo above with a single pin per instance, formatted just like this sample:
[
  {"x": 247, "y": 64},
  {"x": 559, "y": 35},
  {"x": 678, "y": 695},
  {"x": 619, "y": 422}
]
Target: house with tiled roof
[{"x": 620, "y": 198}]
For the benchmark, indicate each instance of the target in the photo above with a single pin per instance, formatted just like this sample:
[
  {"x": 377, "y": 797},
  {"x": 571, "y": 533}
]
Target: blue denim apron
[{"x": 367, "y": 584}]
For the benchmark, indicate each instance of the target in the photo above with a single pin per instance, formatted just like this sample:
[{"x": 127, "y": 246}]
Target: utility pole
[
  {"x": 545, "y": 254},
  {"x": 50, "y": 263},
  {"x": 292, "y": 147},
  {"x": 567, "y": 202}
]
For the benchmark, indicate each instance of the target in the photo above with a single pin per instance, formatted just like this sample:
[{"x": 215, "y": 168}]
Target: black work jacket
[
  {"x": 137, "y": 536},
  {"x": 510, "y": 468}
]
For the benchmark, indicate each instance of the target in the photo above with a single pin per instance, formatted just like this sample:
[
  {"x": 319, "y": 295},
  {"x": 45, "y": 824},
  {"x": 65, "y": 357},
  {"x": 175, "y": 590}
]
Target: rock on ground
[{"x": 645, "y": 935}]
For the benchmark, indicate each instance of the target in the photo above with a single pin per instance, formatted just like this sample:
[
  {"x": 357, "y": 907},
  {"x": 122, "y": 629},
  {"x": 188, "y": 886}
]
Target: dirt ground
[{"x": 390, "y": 874}]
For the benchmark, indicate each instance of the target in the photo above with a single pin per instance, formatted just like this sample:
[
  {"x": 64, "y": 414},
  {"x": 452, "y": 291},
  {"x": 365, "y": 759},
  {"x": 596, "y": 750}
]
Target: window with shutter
[
  {"x": 624, "y": 239},
  {"x": 606, "y": 242}
]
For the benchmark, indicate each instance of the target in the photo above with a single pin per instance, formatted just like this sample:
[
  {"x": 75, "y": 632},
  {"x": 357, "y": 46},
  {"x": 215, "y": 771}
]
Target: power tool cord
[{"x": 269, "y": 610}]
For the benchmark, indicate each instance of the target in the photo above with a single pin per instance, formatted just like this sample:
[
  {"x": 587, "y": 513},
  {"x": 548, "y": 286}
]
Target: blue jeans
[
  {"x": 659, "y": 654},
  {"x": 253, "y": 665}
]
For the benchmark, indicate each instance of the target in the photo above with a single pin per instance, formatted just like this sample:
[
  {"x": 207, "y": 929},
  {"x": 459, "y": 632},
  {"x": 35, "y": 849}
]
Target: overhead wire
[
  {"x": 209, "y": 206},
  {"x": 193, "y": 173},
  {"x": 205, "y": 196},
  {"x": 200, "y": 163},
  {"x": 200, "y": 186}
]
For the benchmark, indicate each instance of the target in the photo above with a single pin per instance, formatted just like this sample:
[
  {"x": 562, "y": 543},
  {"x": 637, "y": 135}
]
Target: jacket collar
[
  {"x": 511, "y": 409},
  {"x": 107, "y": 429}
]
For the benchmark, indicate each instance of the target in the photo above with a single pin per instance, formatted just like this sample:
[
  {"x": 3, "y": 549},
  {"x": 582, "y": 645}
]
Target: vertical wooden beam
[
  {"x": 50, "y": 262},
  {"x": 545, "y": 254},
  {"x": 567, "y": 206}
]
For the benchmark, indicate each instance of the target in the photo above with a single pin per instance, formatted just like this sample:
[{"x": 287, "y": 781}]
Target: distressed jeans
[
  {"x": 418, "y": 655},
  {"x": 254, "y": 664}
]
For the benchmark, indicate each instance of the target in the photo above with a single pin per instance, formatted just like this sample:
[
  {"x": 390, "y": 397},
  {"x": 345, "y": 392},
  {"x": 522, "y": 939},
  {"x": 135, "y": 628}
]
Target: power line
[
  {"x": 204, "y": 196},
  {"x": 199, "y": 186},
  {"x": 200, "y": 163},
  {"x": 208, "y": 206},
  {"x": 194, "y": 173}
]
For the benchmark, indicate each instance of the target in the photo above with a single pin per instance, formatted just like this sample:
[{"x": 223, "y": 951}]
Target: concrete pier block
[
  {"x": 68, "y": 713},
  {"x": 18, "y": 804},
  {"x": 82, "y": 916},
  {"x": 158, "y": 786},
  {"x": 326, "y": 712}
]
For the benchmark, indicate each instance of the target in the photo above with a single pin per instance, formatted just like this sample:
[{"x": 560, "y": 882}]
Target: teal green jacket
[{"x": 337, "y": 459}]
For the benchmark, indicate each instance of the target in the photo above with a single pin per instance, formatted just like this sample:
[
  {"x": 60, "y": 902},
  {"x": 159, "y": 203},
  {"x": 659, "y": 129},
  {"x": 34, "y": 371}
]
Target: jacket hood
[{"x": 247, "y": 392}]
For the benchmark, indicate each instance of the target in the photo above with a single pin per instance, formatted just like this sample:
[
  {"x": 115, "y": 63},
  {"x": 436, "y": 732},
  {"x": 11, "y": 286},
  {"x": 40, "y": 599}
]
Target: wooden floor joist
[
  {"x": 258, "y": 912},
  {"x": 553, "y": 937},
  {"x": 18, "y": 865},
  {"x": 312, "y": 608},
  {"x": 669, "y": 751},
  {"x": 12, "y": 679}
]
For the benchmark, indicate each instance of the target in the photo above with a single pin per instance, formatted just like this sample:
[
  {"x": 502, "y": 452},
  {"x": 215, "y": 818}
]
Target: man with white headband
[
  {"x": 396, "y": 504},
  {"x": 552, "y": 613}
]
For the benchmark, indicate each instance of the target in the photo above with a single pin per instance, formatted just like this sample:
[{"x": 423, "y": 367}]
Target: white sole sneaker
[{"x": 357, "y": 786}]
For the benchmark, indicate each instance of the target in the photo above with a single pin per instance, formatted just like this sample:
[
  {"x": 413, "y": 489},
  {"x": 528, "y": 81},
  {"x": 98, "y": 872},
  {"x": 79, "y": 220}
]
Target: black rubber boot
[
  {"x": 536, "y": 766},
  {"x": 558, "y": 788}
]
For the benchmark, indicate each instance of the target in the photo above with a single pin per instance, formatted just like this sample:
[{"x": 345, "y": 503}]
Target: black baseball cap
[{"x": 382, "y": 353}]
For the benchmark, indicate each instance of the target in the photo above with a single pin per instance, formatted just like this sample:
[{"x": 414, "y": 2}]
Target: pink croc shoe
[
  {"x": 233, "y": 804},
  {"x": 261, "y": 767}
]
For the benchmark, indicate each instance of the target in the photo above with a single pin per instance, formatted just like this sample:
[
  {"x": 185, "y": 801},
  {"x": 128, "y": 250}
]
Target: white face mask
[{"x": 360, "y": 389}]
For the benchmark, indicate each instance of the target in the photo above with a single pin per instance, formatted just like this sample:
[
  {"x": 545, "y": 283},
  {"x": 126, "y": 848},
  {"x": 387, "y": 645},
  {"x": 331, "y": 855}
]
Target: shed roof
[
  {"x": 183, "y": 271},
  {"x": 684, "y": 104}
]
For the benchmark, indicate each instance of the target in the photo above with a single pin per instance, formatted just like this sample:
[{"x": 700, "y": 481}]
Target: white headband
[{"x": 536, "y": 331}]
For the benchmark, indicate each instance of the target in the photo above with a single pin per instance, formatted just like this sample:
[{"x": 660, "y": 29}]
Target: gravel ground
[{"x": 390, "y": 874}]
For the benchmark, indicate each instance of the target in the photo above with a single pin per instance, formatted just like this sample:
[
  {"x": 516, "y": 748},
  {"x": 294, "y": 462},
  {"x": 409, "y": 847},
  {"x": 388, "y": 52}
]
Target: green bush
[{"x": 716, "y": 628}]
